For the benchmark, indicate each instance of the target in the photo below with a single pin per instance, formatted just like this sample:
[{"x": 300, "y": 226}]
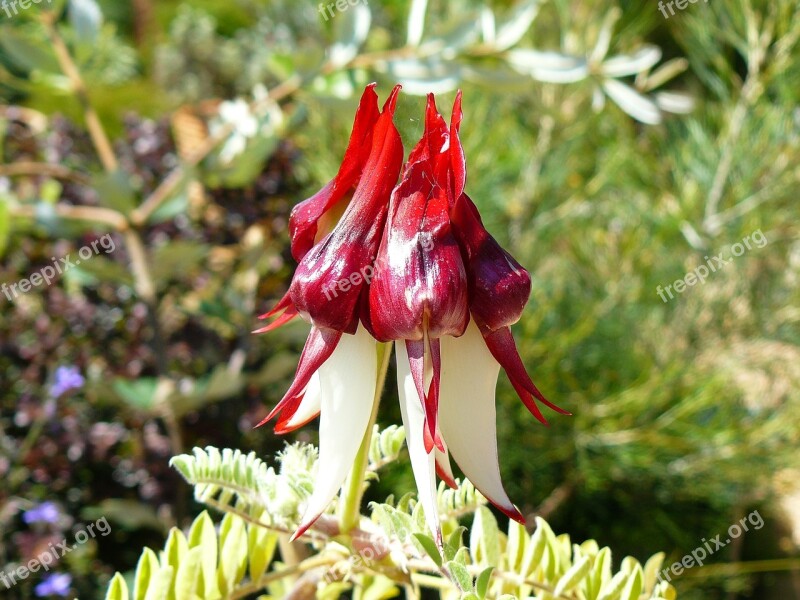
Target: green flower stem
[{"x": 353, "y": 490}]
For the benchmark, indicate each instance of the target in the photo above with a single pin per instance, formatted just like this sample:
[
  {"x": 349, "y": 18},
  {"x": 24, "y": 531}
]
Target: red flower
[{"x": 413, "y": 264}]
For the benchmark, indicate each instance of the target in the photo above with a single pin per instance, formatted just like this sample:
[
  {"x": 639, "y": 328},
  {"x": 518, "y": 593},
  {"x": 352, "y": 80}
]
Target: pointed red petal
[
  {"x": 282, "y": 304},
  {"x": 305, "y": 217},
  {"x": 319, "y": 346},
  {"x": 458, "y": 162},
  {"x": 284, "y": 425},
  {"x": 432, "y": 401},
  {"x": 501, "y": 345},
  {"x": 328, "y": 282},
  {"x": 289, "y": 314}
]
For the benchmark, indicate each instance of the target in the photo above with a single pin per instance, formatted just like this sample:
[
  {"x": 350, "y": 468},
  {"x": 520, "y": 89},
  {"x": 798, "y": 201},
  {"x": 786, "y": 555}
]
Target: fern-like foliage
[
  {"x": 390, "y": 550},
  {"x": 243, "y": 484},
  {"x": 205, "y": 564}
]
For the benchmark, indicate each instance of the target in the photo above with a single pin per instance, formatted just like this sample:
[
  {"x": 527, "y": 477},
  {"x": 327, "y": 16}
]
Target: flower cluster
[{"x": 441, "y": 288}]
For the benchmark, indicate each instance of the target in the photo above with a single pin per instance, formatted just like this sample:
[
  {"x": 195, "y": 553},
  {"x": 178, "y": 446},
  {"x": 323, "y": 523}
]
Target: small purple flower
[
  {"x": 67, "y": 378},
  {"x": 46, "y": 512},
  {"x": 57, "y": 584}
]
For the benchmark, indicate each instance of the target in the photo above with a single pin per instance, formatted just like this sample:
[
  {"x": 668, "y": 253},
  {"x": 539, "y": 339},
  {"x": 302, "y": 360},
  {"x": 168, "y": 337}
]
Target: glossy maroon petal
[
  {"x": 320, "y": 344},
  {"x": 419, "y": 281},
  {"x": 499, "y": 287},
  {"x": 501, "y": 345},
  {"x": 330, "y": 278},
  {"x": 306, "y": 216}
]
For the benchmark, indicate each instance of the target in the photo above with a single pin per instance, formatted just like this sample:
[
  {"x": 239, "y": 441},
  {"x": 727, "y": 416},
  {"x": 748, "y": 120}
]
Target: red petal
[
  {"x": 289, "y": 314},
  {"x": 498, "y": 285},
  {"x": 305, "y": 217},
  {"x": 319, "y": 346},
  {"x": 282, "y": 425},
  {"x": 501, "y": 345},
  {"x": 282, "y": 304},
  {"x": 419, "y": 278},
  {"x": 458, "y": 162},
  {"x": 329, "y": 280},
  {"x": 430, "y": 399}
]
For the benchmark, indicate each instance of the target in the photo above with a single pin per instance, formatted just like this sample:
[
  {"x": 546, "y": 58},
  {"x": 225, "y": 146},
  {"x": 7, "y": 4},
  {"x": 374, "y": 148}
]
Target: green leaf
[
  {"x": 573, "y": 576},
  {"x": 601, "y": 573},
  {"x": 114, "y": 191},
  {"x": 482, "y": 583},
  {"x": 633, "y": 588},
  {"x": 188, "y": 575},
  {"x": 232, "y": 553},
  {"x": 453, "y": 543},
  {"x": 515, "y": 547},
  {"x": 27, "y": 53},
  {"x": 429, "y": 546},
  {"x": 261, "y": 545},
  {"x": 651, "y": 569},
  {"x": 139, "y": 393},
  {"x": 175, "y": 548},
  {"x": 176, "y": 260},
  {"x": 460, "y": 576},
  {"x": 613, "y": 589},
  {"x": 484, "y": 540},
  {"x": 202, "y": 535},
  {"x": 117, "y": 589}
]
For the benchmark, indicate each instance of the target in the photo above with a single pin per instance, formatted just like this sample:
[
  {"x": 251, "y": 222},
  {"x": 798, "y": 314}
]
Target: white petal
[
  {"x": 624, "y": 64},
  {"x": 675, "y": 102},
  {"x": 517, "y": 23},
  {"x": 416, "y": 22},
  {"x": 467, "y": 415},
  {"x": 632, "y": 102},
  {"x": 551, "y": 67},
  {"x": 422, "y": 463},
  {"x": 347, "y": 389},
  {"x": 310, "y": 405}
]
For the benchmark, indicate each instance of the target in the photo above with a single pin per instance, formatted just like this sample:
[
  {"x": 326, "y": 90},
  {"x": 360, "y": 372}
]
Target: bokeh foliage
[{"x": 685, "y": 412}]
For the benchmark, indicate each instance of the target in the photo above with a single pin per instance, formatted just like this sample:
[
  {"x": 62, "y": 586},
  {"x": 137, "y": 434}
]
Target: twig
[
  {"x": 95, "y": 214},
  {"x": 93, "y": 124},
  {"x": 34, "y": 169}
]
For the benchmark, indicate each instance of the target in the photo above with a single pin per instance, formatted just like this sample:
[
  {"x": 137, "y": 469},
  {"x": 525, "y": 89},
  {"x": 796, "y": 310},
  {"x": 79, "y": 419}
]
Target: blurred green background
[{"x": 610, "y": 149}]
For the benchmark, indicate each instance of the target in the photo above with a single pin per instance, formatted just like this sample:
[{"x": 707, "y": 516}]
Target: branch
[
  {"x": 34, "y": 169},
  {"x": 94, "y": 214},
  {"x": 93, "y": 124}
]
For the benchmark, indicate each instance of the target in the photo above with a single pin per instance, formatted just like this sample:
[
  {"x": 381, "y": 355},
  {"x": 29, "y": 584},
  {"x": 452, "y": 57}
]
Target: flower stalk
[{"x": 353, "y": 490}]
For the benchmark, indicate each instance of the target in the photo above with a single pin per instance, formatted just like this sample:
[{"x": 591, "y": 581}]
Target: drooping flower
[
  {"x": 46, "y": 512},
  {"x": 440, "y": 287},
  {"x": 66, "y": 379},
  {"x": 336, "y": 374},
  {"x": 55, "y": 584}
]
